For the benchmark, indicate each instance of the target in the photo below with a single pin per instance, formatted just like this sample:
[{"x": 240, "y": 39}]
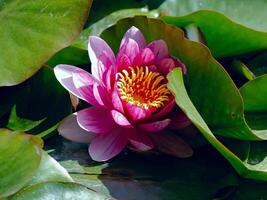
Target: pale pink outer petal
[
  {"x": 69, "y": 129},
  {"x": 139, "y": 140},
  {"x": 179, "y": 120},
  {"x": 96, "y": 120},
  {"x": 101, "y": 56},
  {"x": 134, "y": 34},
  {"x": 85, "y": 87},
  {"x": 159, "y": 48},
  {"x": 155, "y": 126},
  {"x": 105, "y": 147},
  {"x": 171, "y": 144},
  {"x": 120, "y": 119},
  {"x": 136, "y": 113},
  {"x": 74, "y": 80}
]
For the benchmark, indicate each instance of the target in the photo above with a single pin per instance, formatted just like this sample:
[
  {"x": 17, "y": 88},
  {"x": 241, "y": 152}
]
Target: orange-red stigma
[{"x": 141, "y": 87}]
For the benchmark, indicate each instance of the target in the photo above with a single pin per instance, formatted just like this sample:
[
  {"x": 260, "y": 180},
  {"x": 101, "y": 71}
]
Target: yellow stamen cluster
[{"x": 142, "y": 87}]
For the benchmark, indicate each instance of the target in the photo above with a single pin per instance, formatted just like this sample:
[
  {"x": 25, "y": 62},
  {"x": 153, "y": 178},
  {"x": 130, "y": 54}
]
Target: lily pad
[
  {"x": 32, "y": 31},
  {"x": 19, "y": 160},
  {"x": 243, "y": 165},
  {"x": 58, "y": 191},
  {"x": 234, "y": 35},
  {"x": 50, "y": 170},
  {"x": 206, "y": 78},
  {"x": 249, "y": 13}
]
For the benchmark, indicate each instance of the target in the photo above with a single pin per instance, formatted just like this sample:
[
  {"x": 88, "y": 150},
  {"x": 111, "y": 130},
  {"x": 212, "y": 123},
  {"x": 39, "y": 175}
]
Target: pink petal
[
  {"x": 139, "y": 140},
  {"x": 70, "y": 130},
  {"x": 155, "y": 126},
  {"x": 166, "y": 65},
  {"x": 116, "y": 101},
  {"x": 105, "y": 147},
  {"x": 77, "y": 81},
  {"x": 171, "y": 144},
  {"x": 134, "y": 34},
  {"x": 179, "y": 120},
  {"x": 144, "y": 58},
  {"x": 165, "y": 110},
  {"x": 101, "y": 56},
  {"x": 130, "y": 49},
  {"x": 137, "y": 113},
  {"x": 95, "y": 120},
  {"x": 120, "y": 119},
  {"x": 109, "y": 79},
  {"x": 102, "y": 96},
  {"x": 159, "y": 49},
  {"x": 123, "y": 62}
]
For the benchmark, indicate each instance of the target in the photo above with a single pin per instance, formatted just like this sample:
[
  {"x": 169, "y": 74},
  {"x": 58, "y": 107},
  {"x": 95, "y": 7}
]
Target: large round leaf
[
  {"x": 215, "y": 105},
  {"x": 32, "y": 31},
  {"x": 224, "y": 36},
  {"x": 246, "y": 12},
  {"x": 50, "y": 170},
  {"x": 19, "y": 160},
  {"x": 237, "y": 39},
  {"x": 206, "y": 79},
  {"x": 58, "y": 191}
]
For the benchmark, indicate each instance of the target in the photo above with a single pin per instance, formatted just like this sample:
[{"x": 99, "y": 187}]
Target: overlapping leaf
[
  {"x": 32, "y": 31},
  {"x": 229, "y": 27},
  {"x": 206, "y": 81}
]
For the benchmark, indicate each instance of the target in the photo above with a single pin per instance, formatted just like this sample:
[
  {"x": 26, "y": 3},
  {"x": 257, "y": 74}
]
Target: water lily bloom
[{"x": 131, "y": 104}]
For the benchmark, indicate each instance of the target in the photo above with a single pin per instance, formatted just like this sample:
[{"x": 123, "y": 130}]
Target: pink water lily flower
[{"x": 131, "y": 104}]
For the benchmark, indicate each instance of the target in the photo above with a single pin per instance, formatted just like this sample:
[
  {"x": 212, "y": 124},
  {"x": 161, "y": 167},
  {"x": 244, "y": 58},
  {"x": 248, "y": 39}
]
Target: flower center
[{"x": 142, "y": 87}]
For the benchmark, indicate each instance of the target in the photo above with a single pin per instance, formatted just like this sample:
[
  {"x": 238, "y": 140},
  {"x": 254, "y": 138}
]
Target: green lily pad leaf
[
  {"x": 153, "y": 176},
  {"x": 254, "y": 94},
  {"x": 146, "y": 175},
  {"x": 40, "y": 101},
  {"x": 245, "y": 167},
  {"x": 19, "y": 160},
  {"x": 234, "y": 35},
  {"x": 32, "y": 31},
  {"x": 242, "y": 12},
  {"x": 17, "y": 123},
  {"x": 50, "y": 170},
  {"x": 109, "y": 20},
  {"x": 204, "y": 74},
  {"x": 58, "y": 191}
]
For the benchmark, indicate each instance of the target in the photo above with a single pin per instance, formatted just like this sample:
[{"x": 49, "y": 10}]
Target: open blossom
[{"x": 131, "y": 104}]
